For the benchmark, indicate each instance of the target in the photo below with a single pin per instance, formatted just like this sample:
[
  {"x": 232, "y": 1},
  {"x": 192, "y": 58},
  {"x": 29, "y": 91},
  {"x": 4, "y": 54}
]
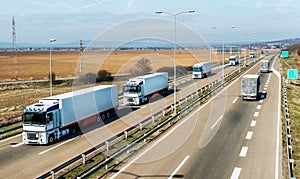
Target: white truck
[
  {"x": 139, "y": 89},
  {"x": 56, "y": 116},
  {"x": 250, "y": 86},
  {"x": 201, "y": 70},
  {"x": 264, "y": 66},
  {"x": 233, "y": 60},
  {"x": 252, "y": 55}
]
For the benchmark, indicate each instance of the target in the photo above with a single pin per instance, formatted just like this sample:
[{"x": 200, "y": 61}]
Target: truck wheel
[
  {"x": 107, "y": 114},
  {"x": 51, "y": 139},
  {"x": 98, "y": 119},
  {"x": 103, "y": 117}
]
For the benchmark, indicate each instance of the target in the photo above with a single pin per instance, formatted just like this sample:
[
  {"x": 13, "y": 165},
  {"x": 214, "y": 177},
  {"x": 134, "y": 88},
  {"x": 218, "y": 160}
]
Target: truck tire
[
  {"x": 108, "y": 115},
  {"x": 51, "y": 139},
  {"x": 98, "y": 118}
]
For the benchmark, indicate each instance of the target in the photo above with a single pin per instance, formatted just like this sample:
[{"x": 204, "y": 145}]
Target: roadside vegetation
[{"x": 293, "y": 95}]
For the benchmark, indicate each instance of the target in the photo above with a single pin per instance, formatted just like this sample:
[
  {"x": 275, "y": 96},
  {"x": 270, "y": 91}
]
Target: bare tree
[{"x": 142, "y": 67}]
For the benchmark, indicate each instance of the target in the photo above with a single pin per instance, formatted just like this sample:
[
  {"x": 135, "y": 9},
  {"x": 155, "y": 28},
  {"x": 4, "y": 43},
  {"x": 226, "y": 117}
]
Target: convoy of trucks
[
  {"x": 264, "y": 66},
  {"x": 233, "y": 60},
  {"x": 201, "y": 70},
  {"x": 139, "y": 89},
  {"x": 250, "y": 87},
  {"x": 56, "y": 116}
]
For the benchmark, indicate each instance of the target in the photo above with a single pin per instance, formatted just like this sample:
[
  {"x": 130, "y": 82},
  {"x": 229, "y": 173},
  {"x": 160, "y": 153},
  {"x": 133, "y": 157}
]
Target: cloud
[{"x": 87, "y": 6}]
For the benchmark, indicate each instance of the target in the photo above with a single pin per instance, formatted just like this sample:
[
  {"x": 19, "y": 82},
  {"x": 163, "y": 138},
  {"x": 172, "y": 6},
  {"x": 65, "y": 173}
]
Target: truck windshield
[
  {"x": 34, "y": 118},
  {"x": 197, "y": 69},
  {"x": 132, "y": 89}
]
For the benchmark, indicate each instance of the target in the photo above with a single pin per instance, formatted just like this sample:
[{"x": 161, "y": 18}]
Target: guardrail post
[
  {"x": 292, "y": 163},
  {"x": 163, "y": 112},
  {"x": 141, "y": 126},
  {"x": 152, "y": 119},
  {"x": 106, "y": 166},
  {"x": 186, "y": 99},
  {"x": 125, "y": 134},
  {"x": 1, "y": 131},
  {"x": 107, "y": 146},
  {"x": 52, "y": 174},
  {"x": 83, "y": 159}
]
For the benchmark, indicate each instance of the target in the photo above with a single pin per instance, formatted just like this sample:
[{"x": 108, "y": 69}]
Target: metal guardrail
[
  {"x": 104, "y": 146},
  {"x": 9, "y": 130},
  {"x": 288, "y": 134}
]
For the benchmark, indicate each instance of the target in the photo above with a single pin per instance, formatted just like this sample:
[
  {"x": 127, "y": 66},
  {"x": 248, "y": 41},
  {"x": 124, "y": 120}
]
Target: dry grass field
[{"x": 35, "y": 65}]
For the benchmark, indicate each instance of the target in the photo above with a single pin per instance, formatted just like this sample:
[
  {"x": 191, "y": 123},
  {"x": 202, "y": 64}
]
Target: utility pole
[
  {"x": 81, "y": 57},
  {"x": 14, "y": 51}
]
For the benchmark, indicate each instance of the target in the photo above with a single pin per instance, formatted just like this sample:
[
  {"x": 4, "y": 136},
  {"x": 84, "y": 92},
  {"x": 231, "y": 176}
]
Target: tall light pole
[
  {"x": 50, "y": 41},
  {"x": 174, "y": 44},
  {"x": 223, "y": 47}
]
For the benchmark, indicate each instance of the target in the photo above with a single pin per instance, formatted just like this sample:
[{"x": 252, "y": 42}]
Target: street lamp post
[
  {"x": 50, "y": 41},
  {"x": 174, "y": 46},
  {"x": 223, "y": 47}
]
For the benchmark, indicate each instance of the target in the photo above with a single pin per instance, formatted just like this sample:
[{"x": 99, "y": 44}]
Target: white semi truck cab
[{"x": 41, "y": 123}]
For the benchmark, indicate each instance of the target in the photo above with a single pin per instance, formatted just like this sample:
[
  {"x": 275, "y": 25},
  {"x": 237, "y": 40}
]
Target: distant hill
[{"x": 294, "y": 49}]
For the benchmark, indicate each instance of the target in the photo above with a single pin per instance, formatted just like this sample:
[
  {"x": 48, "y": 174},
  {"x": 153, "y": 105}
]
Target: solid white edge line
[
  {"x": 9, "y": 138},
  {"x": 179, "y": 166},
  {"x": 236, "y": 173},
  {"x": 214, "y": 125},
  {"x": 235, "y": 100},
  {"x": 182, "y": 122},
  {"x": 278, "y": 124},
  {"x": 17, "y": 145},
  {"x": 243, "y": 152},
  {"x": 253, "y": 123},
  {"x": 45, "y": 151},
  {"x": 249, "y": 135}
]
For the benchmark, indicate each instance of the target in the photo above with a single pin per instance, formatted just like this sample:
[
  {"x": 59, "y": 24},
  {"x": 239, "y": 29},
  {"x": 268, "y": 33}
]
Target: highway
[
  {"x": 29, "y": 161},
  {"x": 225, "y": 138}
]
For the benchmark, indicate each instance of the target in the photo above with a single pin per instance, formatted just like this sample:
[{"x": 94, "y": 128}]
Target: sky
[{"x": 71, "y": 20}]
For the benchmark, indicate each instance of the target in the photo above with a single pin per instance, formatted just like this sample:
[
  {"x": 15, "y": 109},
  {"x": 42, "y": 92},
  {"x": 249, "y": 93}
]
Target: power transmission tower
[
  {"x": 14, "y": 51},
  {"x": 81, "y": 57}
]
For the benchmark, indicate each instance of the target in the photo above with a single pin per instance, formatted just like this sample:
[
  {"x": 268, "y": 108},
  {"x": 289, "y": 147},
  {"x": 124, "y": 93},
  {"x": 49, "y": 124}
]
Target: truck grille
[{"x": 32, "y": 136}]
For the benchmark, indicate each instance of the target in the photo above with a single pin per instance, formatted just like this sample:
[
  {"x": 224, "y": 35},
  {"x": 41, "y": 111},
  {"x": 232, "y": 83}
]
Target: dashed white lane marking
[
  {"x": 216, "y": 122},
  {"x": 17, "y": 145},
  {"x": 261, "y": 101},
  {"x": 266, "y": 85},
  {"x": 45, "y": 151},
  {"x": 236, "y": 173},
  {"x": 179, "y": 166},
  {"x": 249, "y": 135},
  {"x": 234, "y": 100},
  {"x": 243, "y": 152},
  {"x": 256, "y": 114},
  {"x": 258, "y": 107},
  {"x": 265, "y": 89},
  {"x": 253, "y": 123}
]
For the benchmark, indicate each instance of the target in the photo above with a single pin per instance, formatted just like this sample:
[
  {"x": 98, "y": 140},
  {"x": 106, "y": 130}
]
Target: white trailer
[
  {"x": 250, "y": 86},
  {"x": 264, "y": 66},
  {"x": 233, "y": 60},
  {"x": 138, "y": 90},
  {"x": 56, "y": 116},
  {"x": 201, "y": 70}
]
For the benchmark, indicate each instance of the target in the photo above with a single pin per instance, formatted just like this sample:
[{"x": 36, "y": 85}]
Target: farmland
[{"x": 35, "y": 66}]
